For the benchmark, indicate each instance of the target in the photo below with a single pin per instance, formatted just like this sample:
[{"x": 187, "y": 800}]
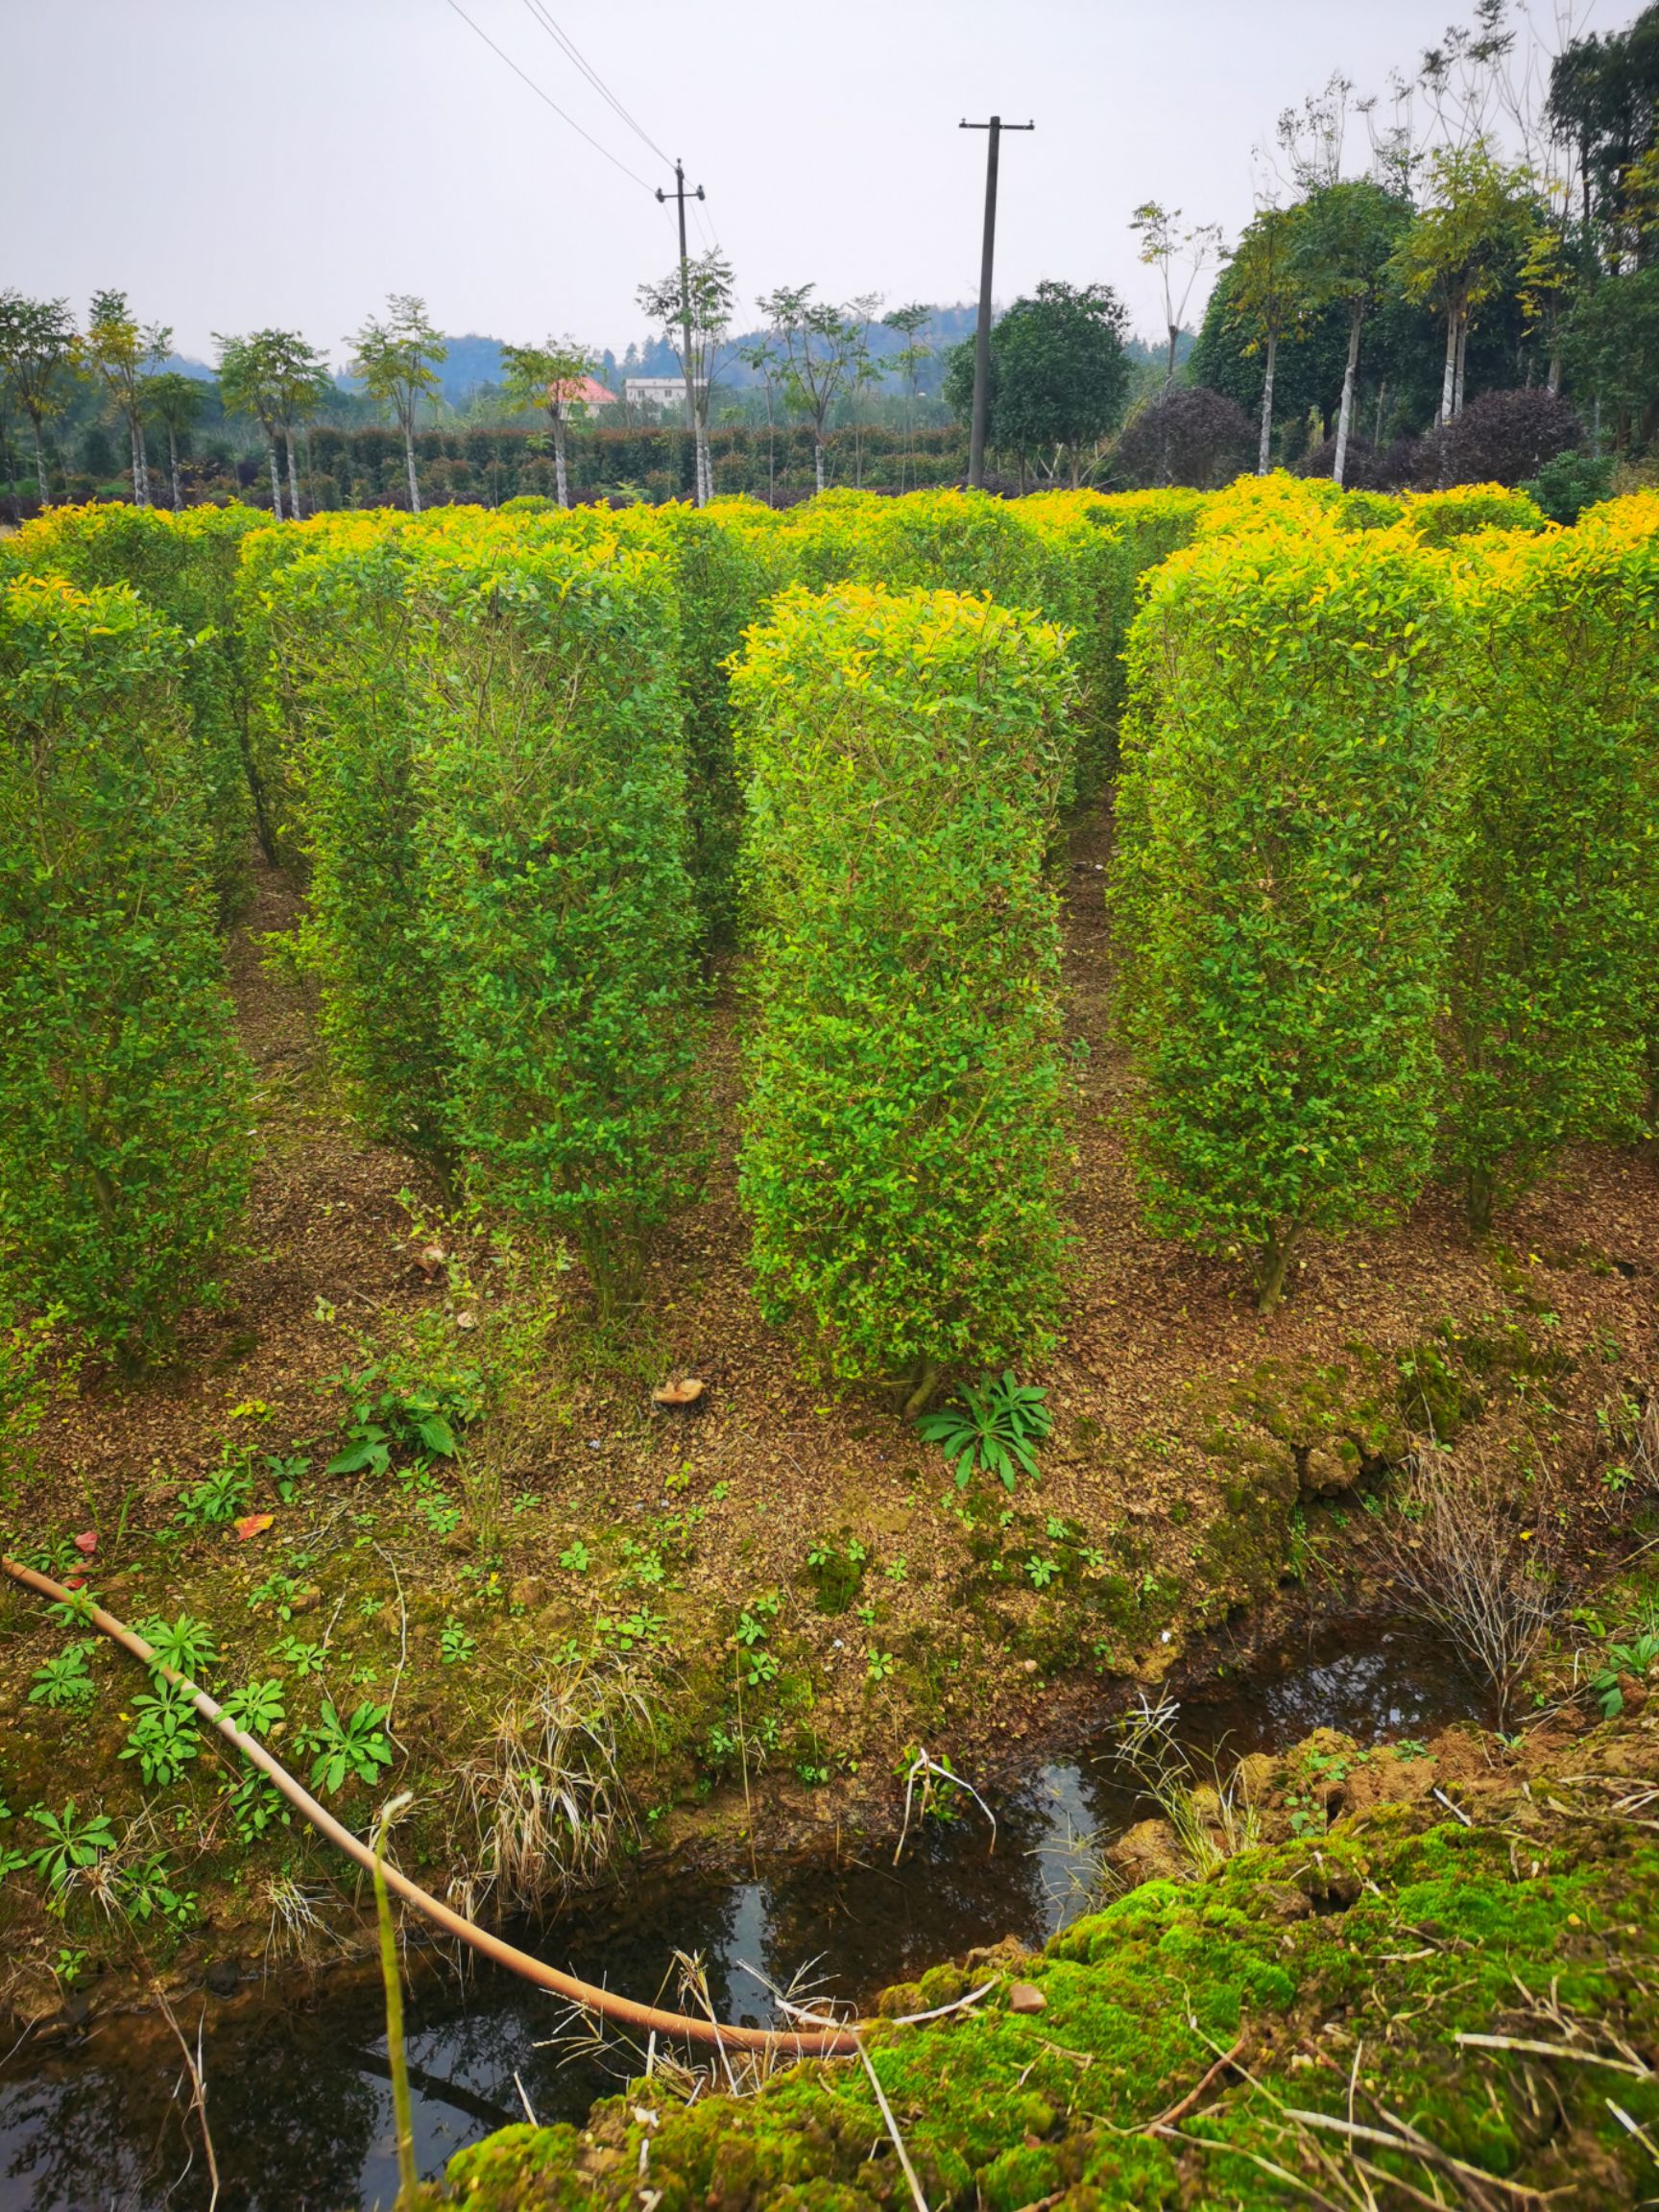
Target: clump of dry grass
[
  {"x": 1480, "y": 1565},
  {"x": 1209, "y": 1808},
  {"x": 545, "y": 1797}
]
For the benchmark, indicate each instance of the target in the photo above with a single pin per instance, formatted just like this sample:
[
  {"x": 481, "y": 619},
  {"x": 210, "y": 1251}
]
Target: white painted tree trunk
[
  {"x": 1265, "y": 450},
  {"x": 276, "y": 478},
  {"x": 409, "y": 462},
  {"x": 1462, "y": 359},
  {"x": 818, "y": 460},
  {"x": 1554, "y": 379},
  {"x": 143, "y": 460},
  {"x": 1174, "y": 331},
  {"x": 294, "y": 507},
  {"x": 1449, "y": 378},
  {"x": 137, "y": 474},
  {"x": 173, "y": 468},
  {"x": 1350, "y": 376},
  {"x": 40, "y": 465},
  {"x": 561, "y": 480}
]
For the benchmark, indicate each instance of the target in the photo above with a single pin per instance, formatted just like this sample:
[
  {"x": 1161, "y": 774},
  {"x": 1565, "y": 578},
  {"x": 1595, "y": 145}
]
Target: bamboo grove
[{"x": 1384, "y": 876}]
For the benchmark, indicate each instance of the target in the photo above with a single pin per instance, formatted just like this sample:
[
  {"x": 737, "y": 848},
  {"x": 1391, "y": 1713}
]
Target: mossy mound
[{"x": 1213, "y": 2042}]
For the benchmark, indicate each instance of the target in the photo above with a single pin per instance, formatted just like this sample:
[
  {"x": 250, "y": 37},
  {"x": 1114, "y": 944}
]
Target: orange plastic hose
[{"x": 823, "y": 2043}]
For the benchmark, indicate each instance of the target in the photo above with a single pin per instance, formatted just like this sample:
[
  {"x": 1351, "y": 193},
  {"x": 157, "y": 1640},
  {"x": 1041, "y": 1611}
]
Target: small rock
[
  {"x": 1026, "y": 1997},
  {"x": 305, "y": 1600},
  {"x": 1328, "y": 1468}
]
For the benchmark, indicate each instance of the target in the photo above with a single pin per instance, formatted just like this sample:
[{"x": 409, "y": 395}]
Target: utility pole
[
  {"x": 982, "y": 334},
  {"x": 679, "y": 195}
]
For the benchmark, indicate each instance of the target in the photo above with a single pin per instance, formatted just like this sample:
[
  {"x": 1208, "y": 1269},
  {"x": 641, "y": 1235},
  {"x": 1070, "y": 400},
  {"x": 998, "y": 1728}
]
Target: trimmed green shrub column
[
  {"x": 1557, "y": 916},
  {"x": 904, "y": 757},
  {"x": 561, "y": 919},
  {"x": 124, "y": 1142},
  {"x": 1283, "y": 884},
  {"x": 340, "y": 635},
  {"x": 184, "y": 566}
]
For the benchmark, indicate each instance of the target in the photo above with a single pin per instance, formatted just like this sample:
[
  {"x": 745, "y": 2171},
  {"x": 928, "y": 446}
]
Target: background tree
[
  {"x": 759, "y": 357},
  {"x": 1062, "y": 377},
  {"x": 1264, "y": 301},
  {"x": 398, "y": 357},
  {"x": 280, "y": 380},
  {"x": 695, "y": 339},
  {"x": 36, "y": 353},
  {"x": 1456, "y": 250},
  {"x": 818, "y": 345},
  {"x": 1346, "y": 234},
  {"x": 244, "y": 388},
  {"x": 120, "y": 354},
  {"x": 302, "y": 383},
  {"x": 1180, "y": 257},
  {"x": 176, "y": 401},
  {"x": 549, "y": 376},
  {"x": 1605, "y": 102},
  {"x": 864, "y": 371},
  {"x": 909, "y": 322}
]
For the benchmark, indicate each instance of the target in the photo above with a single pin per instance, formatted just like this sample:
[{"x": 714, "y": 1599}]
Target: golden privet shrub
[{"x": 905, "y": 755}]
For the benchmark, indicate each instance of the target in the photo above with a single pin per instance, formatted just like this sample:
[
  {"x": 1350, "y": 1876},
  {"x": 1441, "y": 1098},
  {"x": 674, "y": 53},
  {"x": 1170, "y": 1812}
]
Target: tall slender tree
[
  {"x": 278, "y": 379},
  {"x": 1346, "y": 234},
  {"x": 909, "y": 322},
  {"x": 176, "y": 401},
  {"x": 695, "y": 330},
  {"x": 121, "y": 351},
  {"x": 761, "y": 357},
  {"x": 1456, "y": 251},
  {"x": 551, "y": 377},
  {"x": 397, "y": 356},
  {"x": 819, "y": 344},
  {"x": 864, "y": 371},
  {"x": 1180, "y": 257},
  {"x": 37, "y": 358},
  {"x": 1264, "y": 301}
]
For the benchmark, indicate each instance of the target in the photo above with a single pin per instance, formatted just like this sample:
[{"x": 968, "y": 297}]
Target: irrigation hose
[{"x": 838, "y": 2042}]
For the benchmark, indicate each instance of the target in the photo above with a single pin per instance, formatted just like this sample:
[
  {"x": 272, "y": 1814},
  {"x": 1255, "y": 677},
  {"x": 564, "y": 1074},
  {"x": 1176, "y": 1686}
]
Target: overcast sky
[{"x": 231, "y": 163}]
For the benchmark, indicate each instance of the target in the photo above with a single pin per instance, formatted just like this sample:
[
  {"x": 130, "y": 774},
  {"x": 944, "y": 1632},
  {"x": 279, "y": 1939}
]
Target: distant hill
[{"x": 473, "y": 361}]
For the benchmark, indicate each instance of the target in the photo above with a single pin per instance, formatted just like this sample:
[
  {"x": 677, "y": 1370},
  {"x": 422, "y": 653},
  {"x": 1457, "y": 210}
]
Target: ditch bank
[{"x": 296, "y": 2063}]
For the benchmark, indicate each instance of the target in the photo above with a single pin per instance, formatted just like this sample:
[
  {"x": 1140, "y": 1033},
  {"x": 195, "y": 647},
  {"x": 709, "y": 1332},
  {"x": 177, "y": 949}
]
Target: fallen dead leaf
[
  {"x": 684, "y": 1392},
  {"x": 87, "y": 1543},
  {"x": 253, "y": 1524}
]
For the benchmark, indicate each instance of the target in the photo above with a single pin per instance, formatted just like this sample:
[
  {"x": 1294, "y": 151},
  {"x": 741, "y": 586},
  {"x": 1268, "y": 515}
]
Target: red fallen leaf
[
  {"x": 253, "y": 1525},
  {"x": 682, "y": 1393},
  {"x": 87, "y": 1543},
  {"x": 73, "y": 1581}
]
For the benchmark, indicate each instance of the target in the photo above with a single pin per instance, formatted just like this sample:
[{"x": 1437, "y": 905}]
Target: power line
[
  {"x": 554, "y": 31},
  {"x": 545, "y": 99}
]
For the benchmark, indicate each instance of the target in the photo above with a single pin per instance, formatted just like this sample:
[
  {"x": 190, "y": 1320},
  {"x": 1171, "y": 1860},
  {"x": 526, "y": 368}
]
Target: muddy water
[{"x": 299, "y": 2105}]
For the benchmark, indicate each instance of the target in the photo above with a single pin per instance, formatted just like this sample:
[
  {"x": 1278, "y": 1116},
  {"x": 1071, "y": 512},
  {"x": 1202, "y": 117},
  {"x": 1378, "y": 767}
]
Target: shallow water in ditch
[{"x": 299, "y": 2102}]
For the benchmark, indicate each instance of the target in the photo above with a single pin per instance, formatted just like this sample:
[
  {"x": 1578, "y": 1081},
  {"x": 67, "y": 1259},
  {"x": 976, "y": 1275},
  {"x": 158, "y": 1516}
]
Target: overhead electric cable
[
  {"x": 545, "y": 99},
  {"x": 568, "y": 45}
]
